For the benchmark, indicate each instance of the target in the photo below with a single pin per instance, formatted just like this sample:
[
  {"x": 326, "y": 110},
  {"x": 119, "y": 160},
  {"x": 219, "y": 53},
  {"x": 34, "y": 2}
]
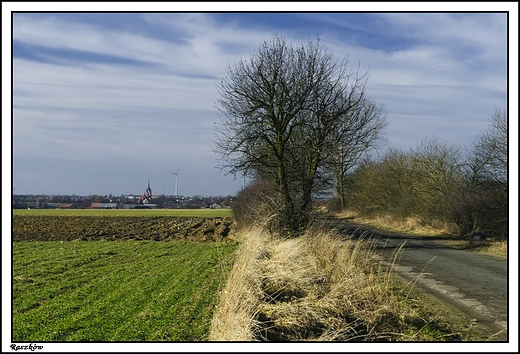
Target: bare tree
[
  {"x": 490, "y": 152},
  {"x": 485, "y": 201},
  {"x": 278, "y": 112},
  {"x": 437, "y": 177},
  {"x": 356, "y": 132}
]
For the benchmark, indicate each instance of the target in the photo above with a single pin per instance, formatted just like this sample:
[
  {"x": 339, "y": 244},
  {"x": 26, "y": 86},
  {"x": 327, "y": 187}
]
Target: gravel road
[{"x": 474, "y": 283}]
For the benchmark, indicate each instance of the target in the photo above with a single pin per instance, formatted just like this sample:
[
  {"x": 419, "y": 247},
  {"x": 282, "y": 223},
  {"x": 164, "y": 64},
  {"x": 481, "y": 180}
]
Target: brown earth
[{"x": 96, "y": 228}]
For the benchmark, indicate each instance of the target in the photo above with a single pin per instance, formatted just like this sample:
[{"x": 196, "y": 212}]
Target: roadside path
[{"x": 474, "y": 283}]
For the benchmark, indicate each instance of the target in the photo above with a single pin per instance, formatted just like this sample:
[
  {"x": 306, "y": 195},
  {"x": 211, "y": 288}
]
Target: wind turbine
[{"x": 176, "y": 181}]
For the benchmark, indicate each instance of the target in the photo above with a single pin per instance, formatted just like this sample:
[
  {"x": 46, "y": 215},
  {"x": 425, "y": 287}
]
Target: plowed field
[{"x": 91, "y": 228}]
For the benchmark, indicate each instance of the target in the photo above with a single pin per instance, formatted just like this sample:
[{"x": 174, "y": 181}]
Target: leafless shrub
[{"x": 257, "y": 203}]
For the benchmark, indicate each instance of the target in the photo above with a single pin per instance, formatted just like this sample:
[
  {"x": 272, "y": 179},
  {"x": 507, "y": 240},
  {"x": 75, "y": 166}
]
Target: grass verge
[
  {"x": 495, "y": 248},
  {"x": 235, "y": 313},
  {"x": 323, "y": 287},
  {"x": 408, "y": 225},
  {"x": 412, "y": 226},
  {"x": 116, "y": 291}
]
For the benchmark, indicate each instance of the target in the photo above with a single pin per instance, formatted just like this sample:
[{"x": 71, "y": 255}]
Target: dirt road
[{"x": 473, "y": 283}]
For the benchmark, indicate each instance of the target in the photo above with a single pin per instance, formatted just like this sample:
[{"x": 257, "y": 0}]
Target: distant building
[
  {"x": 148, "y": 192},
  {"x": 145, "y": 199},
  {"x": 145, "y": 206}
]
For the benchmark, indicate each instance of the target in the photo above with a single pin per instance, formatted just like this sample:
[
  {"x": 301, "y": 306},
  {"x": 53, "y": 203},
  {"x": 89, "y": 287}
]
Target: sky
[{"x": 102, "y": 103}]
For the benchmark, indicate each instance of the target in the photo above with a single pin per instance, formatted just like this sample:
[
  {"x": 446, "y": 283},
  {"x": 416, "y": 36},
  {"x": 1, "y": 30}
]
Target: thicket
[{"x": 440, "y": 182}]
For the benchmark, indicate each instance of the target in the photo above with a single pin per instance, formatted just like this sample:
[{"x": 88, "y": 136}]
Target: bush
[{"x": 258, "y": 202}]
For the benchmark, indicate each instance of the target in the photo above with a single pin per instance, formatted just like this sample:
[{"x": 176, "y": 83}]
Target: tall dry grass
[
  {"x": 319, "y": 287},
  {"x": 326, "y": 288},
  {"x": 409, "y": 224},
  {"x": 417, "y": 227},
  {"x": 234, "y": 318}
]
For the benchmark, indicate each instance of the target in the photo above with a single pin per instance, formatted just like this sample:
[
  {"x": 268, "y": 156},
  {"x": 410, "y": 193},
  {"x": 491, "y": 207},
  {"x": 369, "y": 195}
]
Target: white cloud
[
  {"x": 450, "y": 74},
  {"x": 100, "y": 112},
  {"x": 85, "y": 111}
]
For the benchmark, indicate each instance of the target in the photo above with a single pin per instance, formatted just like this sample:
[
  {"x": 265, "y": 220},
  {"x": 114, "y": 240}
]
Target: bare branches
[
  {"x": 279, "y": 115},
  {"x": 438, "y": 184},
  {"x": 358, "y": 130},
  {"x": 490, "y": 152}
]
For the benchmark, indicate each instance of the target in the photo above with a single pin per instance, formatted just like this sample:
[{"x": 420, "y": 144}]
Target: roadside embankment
[{"x": 323, "y": 287}]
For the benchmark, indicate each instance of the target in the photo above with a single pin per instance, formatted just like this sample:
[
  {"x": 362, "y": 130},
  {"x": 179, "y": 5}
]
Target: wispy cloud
[
  {"x": 139, "y": 89},
  {"x": 450, "y": 71}
]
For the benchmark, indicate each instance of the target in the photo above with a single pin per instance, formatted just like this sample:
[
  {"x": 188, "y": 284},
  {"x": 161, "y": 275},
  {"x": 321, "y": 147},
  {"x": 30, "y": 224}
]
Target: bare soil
[{"x": 97, "y": 228}]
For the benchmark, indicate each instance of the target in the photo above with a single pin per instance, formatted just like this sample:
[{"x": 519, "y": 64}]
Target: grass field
[
  {"x": 208, "y": 213},
  {"x": 116, "y": 291}
]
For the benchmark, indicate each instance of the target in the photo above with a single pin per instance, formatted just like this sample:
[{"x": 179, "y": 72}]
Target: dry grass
[
  {"x": 318, "y": 287},
  {"x": 408, "y": 225},
  {"x": 234, "y": 316},
  {"x": 495, "y": 248},
  {"x": 416, "y": 227}
]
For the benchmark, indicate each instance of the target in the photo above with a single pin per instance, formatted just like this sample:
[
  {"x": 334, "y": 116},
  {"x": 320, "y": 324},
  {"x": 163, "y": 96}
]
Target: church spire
[{"x": 148, "y": 192}]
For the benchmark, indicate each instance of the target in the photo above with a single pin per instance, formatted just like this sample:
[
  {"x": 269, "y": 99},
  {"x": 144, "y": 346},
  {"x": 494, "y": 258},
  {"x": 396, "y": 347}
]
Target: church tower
[{"x": 148, "y": 192}]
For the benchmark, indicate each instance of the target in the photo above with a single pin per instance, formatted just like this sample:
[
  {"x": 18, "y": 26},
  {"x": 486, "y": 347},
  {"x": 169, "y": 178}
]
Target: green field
[
  {"x": 116, "y": 291},
  {"x": 209, "y": 213}
]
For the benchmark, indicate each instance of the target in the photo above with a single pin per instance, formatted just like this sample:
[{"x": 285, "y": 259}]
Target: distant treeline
[{"x": 440, "y": 181}]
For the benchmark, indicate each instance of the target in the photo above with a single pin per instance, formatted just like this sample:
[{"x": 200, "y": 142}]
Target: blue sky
[{"x": 104, "y": 102}]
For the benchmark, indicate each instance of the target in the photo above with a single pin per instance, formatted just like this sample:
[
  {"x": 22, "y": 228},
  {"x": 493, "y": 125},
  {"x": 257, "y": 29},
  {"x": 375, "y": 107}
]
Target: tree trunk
[{"x": 341, "y": 191}]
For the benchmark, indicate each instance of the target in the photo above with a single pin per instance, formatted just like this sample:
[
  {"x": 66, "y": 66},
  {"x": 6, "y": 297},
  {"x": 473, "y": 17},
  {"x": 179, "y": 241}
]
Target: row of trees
[
  {"x": 440, "y": 181},
  {"x": 298, "y": 120}
]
